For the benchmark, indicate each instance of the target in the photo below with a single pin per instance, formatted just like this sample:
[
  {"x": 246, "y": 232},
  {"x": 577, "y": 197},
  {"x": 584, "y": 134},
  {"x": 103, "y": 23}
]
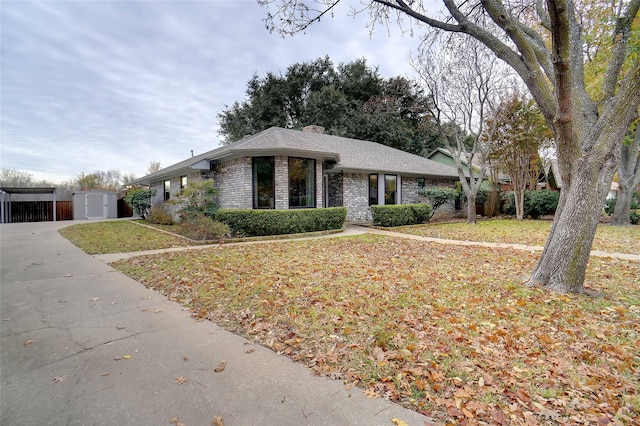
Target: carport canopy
[{"x": 5, "y": 199}]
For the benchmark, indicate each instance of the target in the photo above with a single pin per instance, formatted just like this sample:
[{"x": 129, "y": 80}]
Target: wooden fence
[{"x": 40, "y": 211}]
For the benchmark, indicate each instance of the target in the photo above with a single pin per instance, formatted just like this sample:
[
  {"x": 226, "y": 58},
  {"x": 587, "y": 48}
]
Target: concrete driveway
[{"x": 82, "y": 344}]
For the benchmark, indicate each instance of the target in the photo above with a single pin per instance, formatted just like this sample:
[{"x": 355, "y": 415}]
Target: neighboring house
[
  {"x": 442, "y": 155},
  {"x": 288, "y": 169}
]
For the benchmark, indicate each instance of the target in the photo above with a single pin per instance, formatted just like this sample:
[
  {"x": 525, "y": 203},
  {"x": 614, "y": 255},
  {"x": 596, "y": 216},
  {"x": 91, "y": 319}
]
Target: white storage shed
[{"x": 95, "y": 204}]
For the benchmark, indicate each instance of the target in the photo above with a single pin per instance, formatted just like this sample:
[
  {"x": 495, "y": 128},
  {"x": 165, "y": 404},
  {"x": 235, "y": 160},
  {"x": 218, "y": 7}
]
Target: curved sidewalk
[{"x": 83, "y": 344}]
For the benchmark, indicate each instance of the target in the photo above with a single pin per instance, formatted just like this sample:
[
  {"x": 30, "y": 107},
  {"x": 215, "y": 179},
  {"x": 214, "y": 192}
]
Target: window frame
[
  {"x": 314, "y": 185},
  {"x": 374, "y": 193},
  {"x": 254, "y": 183},
  {"x": 388, "y": 191},
  {"x": 167, "y": 190}
]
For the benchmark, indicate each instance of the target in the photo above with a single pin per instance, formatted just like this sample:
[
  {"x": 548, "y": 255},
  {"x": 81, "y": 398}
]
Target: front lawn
[
  {"x": 528, "y": 232},
  {"x": 443, "y": 329},
  {"x": 121, "y": 236}
]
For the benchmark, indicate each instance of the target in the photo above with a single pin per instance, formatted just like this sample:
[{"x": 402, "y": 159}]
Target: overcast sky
[{"x": 105, "y": 85}]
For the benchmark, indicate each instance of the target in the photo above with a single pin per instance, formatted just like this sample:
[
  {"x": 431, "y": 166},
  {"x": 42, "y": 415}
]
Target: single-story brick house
[{"x": 287, "y": 169}]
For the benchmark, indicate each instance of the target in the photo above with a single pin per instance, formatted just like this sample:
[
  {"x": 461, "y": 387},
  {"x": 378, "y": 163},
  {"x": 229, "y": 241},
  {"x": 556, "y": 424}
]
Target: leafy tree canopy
[{"x": 350, "y": 100}]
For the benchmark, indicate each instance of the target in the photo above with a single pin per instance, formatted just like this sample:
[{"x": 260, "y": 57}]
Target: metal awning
[{"x": 5, "y": 199}]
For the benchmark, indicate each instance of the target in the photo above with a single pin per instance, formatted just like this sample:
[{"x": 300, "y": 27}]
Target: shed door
[{"x": 96, "y": 206}]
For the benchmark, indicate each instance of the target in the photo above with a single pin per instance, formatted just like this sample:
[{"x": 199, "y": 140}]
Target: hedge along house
[{"x": 289, "y": 169}]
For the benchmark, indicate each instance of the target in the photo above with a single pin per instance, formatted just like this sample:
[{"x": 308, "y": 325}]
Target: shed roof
[{"x": 27, "y": 190}]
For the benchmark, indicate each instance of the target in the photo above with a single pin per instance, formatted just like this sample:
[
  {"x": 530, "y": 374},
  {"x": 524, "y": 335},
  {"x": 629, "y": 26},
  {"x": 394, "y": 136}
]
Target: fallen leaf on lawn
[
  {"x": 182, "y": 379},
  {"x": 217, "y": 421},
  {"x": 29, "y": 342},
  {"x": 59, "y": 379},
  {"x": 220, "y": 366},
  {"x": 94, "y": 299},
  {"x": 370, "y": 393},
  {"x": 378, "y": 353},
  {"x": 481, "y": 382},
  {"x": 399, "y": 422}
]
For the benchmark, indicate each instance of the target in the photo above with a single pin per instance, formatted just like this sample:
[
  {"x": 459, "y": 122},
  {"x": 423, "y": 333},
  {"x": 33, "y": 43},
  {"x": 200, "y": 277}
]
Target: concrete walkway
[
  {"x": 83, "y": 344},
  {"x": 358, "y": 230}
]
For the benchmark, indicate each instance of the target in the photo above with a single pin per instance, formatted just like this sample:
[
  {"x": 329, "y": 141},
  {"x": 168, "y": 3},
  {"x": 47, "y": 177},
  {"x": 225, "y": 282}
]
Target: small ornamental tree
[
  {"x": 140, "y": 201},
  {"x": 197, "y": 199},
  {"x": 438, "y": 197}
]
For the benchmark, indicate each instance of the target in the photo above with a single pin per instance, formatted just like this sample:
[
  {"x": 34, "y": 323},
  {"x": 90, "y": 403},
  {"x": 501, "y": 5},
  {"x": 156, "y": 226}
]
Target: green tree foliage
[
  {"x": 140, "y": 201},
  {"x": 438, "y": 197},
  {"x": 197, "y": 199},
  {"x": 350, "y": 100},
  {"x": 520, "y": 130}
]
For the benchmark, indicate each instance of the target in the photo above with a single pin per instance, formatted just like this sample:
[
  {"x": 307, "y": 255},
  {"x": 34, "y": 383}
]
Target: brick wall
[
  {"x": 233, "y": 182},
  {"x": 355, "y": 195}
]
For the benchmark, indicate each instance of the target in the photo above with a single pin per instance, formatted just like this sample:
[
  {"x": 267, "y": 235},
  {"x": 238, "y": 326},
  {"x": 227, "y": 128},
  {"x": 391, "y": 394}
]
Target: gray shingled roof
[{"x": 349, "y": 154}]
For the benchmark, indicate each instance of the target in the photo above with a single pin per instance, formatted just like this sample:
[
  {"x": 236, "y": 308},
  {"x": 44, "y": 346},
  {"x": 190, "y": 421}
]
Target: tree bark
[
  {"x": 628, "y": 180},
  {"x": 563, "y": 262},
  {"x": 471, "y": 210}
]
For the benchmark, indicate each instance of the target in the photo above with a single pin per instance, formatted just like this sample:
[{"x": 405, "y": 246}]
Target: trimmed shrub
[
  {"x": 634, "y": 217},
  {"x": 536, "y": 203},
  {"x": 541, "y": 203},
  {"x": 202, "y": 227},
  {"x": 400, "y": 214},
  {"x": 159, "y": 215},
  {"x": 254, "y": 223}
]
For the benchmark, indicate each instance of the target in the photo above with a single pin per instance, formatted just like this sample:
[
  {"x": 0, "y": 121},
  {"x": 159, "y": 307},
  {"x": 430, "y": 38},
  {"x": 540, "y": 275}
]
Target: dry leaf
[
  {"x": 29, "y": 342},
  {"x": 94, "y": 299},
  {"x": 378, "y": 353},
  {"x": 59, "y": 379},
  {"x": 249, "y": 351},
  {"x": 105, "y": 374},
  {"x": 399, "y": 422},
  {"x": 370, "y": 393},
  {"x": 220, "y": 366},
  {"x": 174, "y": 419},
  {"x": 182, "y": 379},
  {"x": 216, "y": 421}
]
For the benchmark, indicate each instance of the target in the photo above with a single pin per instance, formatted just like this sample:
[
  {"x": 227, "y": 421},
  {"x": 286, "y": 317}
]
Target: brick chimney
[{"x": 313, "y": 129}]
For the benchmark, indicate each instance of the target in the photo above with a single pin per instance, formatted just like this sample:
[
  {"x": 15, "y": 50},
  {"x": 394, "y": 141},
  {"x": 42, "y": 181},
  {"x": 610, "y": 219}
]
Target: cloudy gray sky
[{"x": 105, "y": 85}]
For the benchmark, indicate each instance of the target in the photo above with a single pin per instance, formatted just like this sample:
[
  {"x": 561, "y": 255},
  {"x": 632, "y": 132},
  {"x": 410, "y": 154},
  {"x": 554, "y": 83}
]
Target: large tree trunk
[
  {"x": 628, "y": 180},
  {"x": 622, "y": 211},
  {"x": 563, "y": 262},
  {"x": 471, "y": 210}
]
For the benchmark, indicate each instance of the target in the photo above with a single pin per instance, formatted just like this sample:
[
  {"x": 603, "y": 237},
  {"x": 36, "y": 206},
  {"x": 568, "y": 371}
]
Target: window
[
  {"x": 263, "y": 183},
  {"x": 302, "y": 182},
  {"x": 167, "y": 190},
  {"x": 373, "y": 190},
  {"x": 390, "y": 189},
  {"x": 183, "y": 183}
]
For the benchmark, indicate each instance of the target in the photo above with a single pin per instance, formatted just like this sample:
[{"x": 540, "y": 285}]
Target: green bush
[
  {"x": 201, "y": 227},
  {"x": 541, "y": 203},
  {"x": 438, "y": 196},
  {"x": 160, "y": 215},
  {"x": 536, "y": 203},
  {"x": 253, "y": 223},
  {"x": 400, "y": 214},
  {"x": 197, "y": 199},
  {"x": 610, "y": 203},
  {"x": 140, "y": 201},
  {"x": 634, "y": 217}
]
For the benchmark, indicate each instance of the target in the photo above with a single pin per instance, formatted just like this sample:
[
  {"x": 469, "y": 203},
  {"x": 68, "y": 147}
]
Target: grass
[
  {"x": 527, "y": 232},
  {"x": 442, "y": 329},
  {"x": 118, "y": 237}
]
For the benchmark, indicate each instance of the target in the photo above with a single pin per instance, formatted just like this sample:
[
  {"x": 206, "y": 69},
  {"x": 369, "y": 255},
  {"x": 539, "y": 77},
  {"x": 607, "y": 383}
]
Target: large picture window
[
  {"x": 390, "y": 189},
  {"x": 373, "y": 190},
  {"x": 302, "y": 182},
  {"x": 264, "y": 189}
]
